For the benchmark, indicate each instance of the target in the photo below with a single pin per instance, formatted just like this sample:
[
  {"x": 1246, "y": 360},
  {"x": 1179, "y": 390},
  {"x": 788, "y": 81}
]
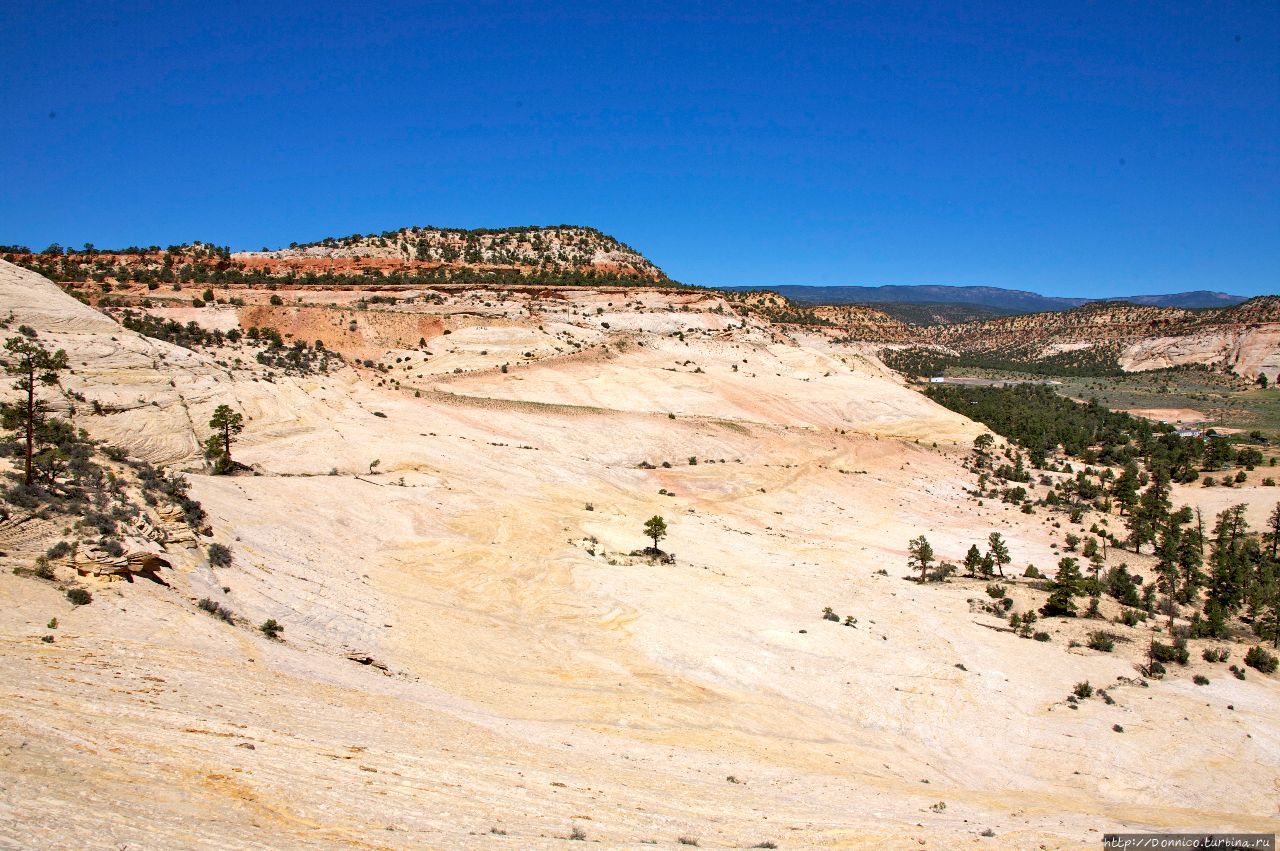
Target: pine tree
[
  {"x": 1273, "y": 533},
  {"x": 998, "y": 551},
  {"x": 226, "y": 424},
  {"x": 1063, "y": 589},
  {"x": 973, "y": 561},
  {"x": 655, "y": 527},
  {"x": 33, "y": 365},
  {"x": 920, "y": 556}
]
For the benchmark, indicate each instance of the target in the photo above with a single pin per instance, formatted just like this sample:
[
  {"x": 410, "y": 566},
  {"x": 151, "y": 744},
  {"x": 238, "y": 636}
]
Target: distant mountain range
[{"x": 997, "y": 298}]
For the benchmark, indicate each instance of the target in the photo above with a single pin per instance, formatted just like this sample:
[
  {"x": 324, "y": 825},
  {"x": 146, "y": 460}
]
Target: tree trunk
[{"x": 31, "y": 419}]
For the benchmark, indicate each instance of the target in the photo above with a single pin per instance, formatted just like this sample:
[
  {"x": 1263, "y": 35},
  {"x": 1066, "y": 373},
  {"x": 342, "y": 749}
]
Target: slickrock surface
[{"x": 470, "y": 647}]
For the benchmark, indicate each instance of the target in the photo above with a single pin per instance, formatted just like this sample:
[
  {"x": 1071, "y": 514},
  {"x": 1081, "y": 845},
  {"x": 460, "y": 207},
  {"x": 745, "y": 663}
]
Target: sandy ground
[
  {"x": 532, "y": 677},
  {"x": 1174, "y": 416}
]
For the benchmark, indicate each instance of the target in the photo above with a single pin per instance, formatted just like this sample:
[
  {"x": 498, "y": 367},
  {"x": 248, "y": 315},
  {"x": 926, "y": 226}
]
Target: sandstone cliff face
[
  {"x": 1244, "y": 339},
  {"x": 1249, "y": 352},
  {"x": 860, "y": 324}
]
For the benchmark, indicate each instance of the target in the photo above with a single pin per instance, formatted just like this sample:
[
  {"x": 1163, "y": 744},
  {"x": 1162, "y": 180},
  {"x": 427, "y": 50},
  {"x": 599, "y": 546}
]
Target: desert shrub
[
  {"x": 1131, "y": 617},
  {"x": 1155, "y": 670},
  {"x": 995, "y": 592},
  {"x": 220, "y": 555},
  {"x": 1216, "y": 654},
  {"x": 1042, "y": 636},
  {"x": 1083, "y": 690},
  {"x": 1200, "y": 680},
  {"x": 276, "y": 300},
  {"x": 271, "y": 628},
  {"x": 1237, "y": 672},
  {"x": 79, "y": 597},
  {"x": 829, "y": 615},
  {"x": 1101, "y": 641},
  {"x": 1261, "y": 660},
  {"x": 217, "y": 610},
  {"x": 41, "y": 570},
  {"x": 1117, "y": 728},
  {"x": 1176, "y": 653},
  {"x": 1032, "y": 572}
]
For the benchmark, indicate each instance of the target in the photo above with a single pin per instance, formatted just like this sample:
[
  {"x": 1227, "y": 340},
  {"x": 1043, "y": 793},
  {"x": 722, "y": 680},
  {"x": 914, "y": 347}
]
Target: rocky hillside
[
  {"x": 559, "y": 255},
  {"x": 563, "y": 248},
  {"x": 1244, "y": 339}
]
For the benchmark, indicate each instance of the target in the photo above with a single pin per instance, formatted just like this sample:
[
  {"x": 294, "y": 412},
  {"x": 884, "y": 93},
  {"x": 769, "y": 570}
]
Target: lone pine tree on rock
[
  {"x": 226, "y": 424},
  {"x": 655, "y": 527}
]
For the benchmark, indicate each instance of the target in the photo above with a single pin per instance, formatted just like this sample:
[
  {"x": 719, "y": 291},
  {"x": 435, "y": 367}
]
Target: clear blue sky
[{"x": 1085, "y": 149}]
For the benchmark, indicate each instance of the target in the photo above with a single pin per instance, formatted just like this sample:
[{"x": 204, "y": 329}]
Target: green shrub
[
  {"x": 1042, "y": 636},
  {"x": 81, "y": 597},
  {"x": 1177, "y": 653},
  {"x": 271, "y": 629},
  {"x": 1101, "y": 641},
  {"x": 217, "y": 610},
  {"x": 1200, "y": 680},
  {"x": 1219, "y": 654},
  {"x": 58, "y": 550},
  {"x": 220, "y": 555},
  {"x": 1083, "y": 690},
  {"x": 1261, "y": 660},
  {"x": 995, "y": 592},
  {"x": 1132, "y": 617}
]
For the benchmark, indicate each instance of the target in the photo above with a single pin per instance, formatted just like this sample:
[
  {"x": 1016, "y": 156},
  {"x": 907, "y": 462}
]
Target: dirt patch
[
  {"x": 1176, "y": 416},
  {"x": 354, "y": 333}
]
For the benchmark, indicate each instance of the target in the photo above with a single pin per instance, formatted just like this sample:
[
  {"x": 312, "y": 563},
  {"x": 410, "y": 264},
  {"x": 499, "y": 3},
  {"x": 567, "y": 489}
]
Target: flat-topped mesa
[
  {"x": 557, "y": 255},
  {"x": 562, "y": 248}
]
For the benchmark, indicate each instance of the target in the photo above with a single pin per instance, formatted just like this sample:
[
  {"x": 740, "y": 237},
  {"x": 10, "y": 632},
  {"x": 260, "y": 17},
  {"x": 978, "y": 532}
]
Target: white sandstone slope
[
  {"x": 525, "y": 673},
  {"x": 1246, "y": 350}
]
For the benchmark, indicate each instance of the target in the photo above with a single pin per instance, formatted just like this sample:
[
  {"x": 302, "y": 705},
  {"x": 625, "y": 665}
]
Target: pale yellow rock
[{"x": 526, "y": 674}]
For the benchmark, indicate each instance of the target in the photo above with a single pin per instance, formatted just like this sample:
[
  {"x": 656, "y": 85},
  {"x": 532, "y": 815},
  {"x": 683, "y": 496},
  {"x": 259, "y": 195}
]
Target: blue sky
[{"x": 1084, "y": 149}]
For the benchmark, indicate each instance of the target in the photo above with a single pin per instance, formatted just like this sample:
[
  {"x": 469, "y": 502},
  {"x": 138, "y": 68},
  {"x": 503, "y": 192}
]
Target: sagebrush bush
[{"x": 79, "y": 597}]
